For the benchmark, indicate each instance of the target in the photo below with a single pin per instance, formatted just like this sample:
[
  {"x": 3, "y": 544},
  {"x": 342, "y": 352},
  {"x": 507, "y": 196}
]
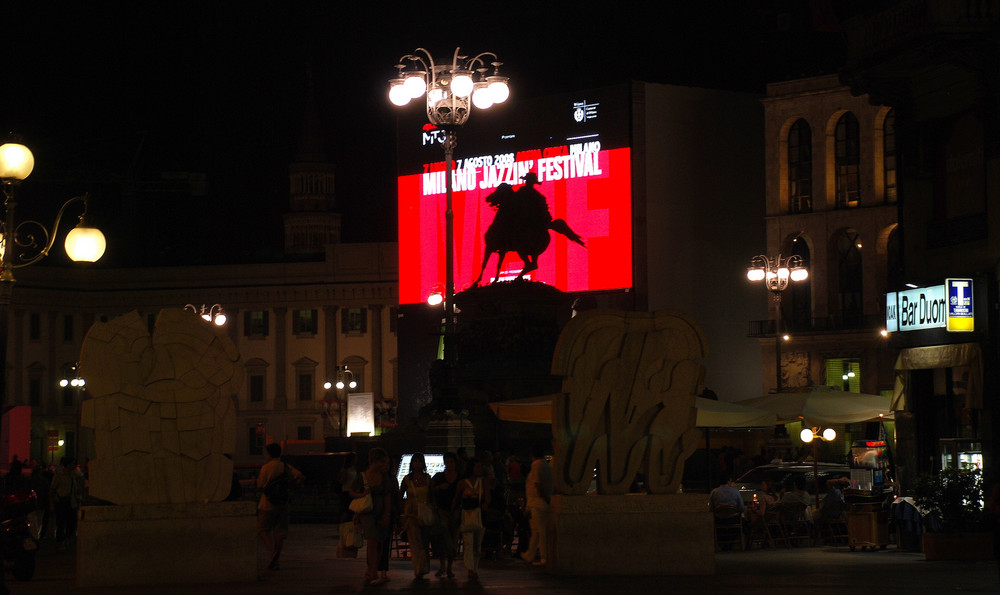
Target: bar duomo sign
[{"x": 940, "y": 306}]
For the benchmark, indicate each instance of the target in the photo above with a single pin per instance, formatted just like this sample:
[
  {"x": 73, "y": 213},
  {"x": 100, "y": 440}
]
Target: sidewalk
[{"x": 309, "y": 566}]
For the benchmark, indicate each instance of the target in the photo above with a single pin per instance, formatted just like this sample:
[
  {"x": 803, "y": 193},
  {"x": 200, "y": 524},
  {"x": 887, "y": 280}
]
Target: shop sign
[
  {"x": 940, "y": 306},
  {"x": 961, "y": 316},
  {"x": 916, "y": 309}
]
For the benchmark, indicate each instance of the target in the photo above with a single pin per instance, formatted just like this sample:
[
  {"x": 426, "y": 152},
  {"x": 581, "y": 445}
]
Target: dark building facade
[{"x": 936, "y": 62}]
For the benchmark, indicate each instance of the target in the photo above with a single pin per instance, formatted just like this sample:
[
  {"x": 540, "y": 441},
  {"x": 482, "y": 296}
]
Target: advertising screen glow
[{"x": 589, "y": 190}]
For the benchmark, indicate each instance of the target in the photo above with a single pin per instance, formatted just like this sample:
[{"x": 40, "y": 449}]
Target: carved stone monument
[
  {"x": 164, "y": 431},
  {"x": 627, "y": 412}
]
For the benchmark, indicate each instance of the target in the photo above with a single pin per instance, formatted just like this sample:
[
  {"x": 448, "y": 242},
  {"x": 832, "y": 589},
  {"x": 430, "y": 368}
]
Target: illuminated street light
[
  {"x": 344, "y": 383},
  {"x": 214, "y": 314},
  {"x": 777, "y": 273},
  {"x": 814, "y": 436},
  {"x": 25, "y": 243},
  {"x": 451, "y": 90}
]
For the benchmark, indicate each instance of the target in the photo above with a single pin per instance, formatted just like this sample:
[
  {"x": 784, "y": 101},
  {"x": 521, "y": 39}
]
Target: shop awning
[
  {"x": 940, "y": 356},
  {"x": 711, "y": 414}
]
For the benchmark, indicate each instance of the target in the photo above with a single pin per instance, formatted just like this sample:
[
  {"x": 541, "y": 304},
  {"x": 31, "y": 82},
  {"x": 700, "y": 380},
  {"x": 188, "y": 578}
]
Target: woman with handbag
[
  {"x": 473, "y": 499},
  {"x": 378, "y": 484},
  {"x": 418, "y": 513}
]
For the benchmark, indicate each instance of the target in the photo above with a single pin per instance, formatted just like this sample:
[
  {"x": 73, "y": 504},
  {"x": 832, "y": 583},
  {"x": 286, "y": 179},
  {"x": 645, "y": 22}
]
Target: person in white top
[{"x": 538, "y": 488}]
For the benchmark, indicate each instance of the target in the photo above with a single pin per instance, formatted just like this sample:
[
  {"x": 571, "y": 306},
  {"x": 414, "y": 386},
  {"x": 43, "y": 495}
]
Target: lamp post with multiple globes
[
  {"x": 777, "y": 274},
  {"x": 214, "y": 314},
  {"x": 451, "y": 91},
  {"x": 344, "y": 383},
  {"x": 25, "y": 243},
  {"x": 814, "y": 435}
]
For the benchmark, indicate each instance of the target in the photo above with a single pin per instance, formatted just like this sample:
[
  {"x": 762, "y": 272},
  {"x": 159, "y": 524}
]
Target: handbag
[
  {"x": 426, "y": 515},
  {"x": 472, "y": 519},
  {"x": 350, "y": 542},
  {"x": 364, "y": 504}
]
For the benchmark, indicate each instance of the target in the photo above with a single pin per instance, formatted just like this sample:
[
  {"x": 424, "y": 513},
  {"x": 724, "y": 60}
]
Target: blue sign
[{"x": 961, "y": 316}]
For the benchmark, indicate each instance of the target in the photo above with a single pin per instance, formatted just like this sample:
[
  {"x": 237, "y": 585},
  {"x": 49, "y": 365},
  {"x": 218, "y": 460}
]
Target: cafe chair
[{"x": 728, "y": 528}]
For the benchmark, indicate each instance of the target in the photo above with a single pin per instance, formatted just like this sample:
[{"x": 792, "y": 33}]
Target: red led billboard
[{"x": 584, "y": 183}]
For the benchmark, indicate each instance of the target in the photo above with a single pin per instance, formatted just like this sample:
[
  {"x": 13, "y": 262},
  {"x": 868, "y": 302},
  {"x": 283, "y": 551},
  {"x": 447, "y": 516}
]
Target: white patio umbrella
[{"x": 821, "y": 405}]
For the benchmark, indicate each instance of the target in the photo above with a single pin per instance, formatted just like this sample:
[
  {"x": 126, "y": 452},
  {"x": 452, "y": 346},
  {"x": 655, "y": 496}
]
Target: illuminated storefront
[{"x": 939, "y": 331}]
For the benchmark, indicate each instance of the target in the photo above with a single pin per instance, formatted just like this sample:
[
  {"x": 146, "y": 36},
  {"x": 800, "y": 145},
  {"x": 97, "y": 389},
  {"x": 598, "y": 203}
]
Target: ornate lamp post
[
  {"x": 344, "y": 383},
  {"x": 214, "y": 314},
  {"x": 777, "y": 273},
  {"x": 814, "y": 435},
  {"x": 451, "y": 91},
  {"x": 25, "y": 243}
]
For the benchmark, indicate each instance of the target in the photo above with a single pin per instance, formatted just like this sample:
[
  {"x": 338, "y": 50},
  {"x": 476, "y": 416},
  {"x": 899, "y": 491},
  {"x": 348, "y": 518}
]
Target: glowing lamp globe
[
  {"x": 415, "y": 85},
  {"x": 85, "y": 244},
  {"x": 16, "y": 161},
  {"x": 806, "y": 435},
  {"x": 498, "y": 88},
  {"x": 398, "y": 94},
  {"x": 481, "y": 97},
  {"x": 461, "y": 85}
]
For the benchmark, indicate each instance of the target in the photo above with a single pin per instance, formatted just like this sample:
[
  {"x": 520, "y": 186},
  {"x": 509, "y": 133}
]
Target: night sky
[{"x": 108, "y": 95}]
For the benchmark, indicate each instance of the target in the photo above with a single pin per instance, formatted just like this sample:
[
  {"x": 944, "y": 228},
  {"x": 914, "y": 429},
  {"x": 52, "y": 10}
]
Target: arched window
[
  {"x": 800, "y": 168},
  {"x": 847, "y": 161},
  {"x": 889, "y": 156},
  {"x": 849, "y": 277},
  {"x": 798, "y": 305}
]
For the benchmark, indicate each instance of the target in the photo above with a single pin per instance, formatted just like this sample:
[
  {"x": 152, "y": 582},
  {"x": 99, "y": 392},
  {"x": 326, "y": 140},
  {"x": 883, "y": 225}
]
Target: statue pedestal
[
  {"x": 448, "y": 435},
  {"x": 163, "y": 544},
  {"x": 631, "y": 535}
]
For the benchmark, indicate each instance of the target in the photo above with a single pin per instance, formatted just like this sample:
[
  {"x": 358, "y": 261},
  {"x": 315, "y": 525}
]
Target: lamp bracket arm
[{"x": 24, "y": 239}]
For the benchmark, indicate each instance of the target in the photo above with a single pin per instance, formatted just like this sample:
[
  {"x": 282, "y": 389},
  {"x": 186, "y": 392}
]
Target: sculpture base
[
  {"x": 448, "y": 435},
  {"x": 163, "y": 544},
  {"x": 631, "y": 535}
]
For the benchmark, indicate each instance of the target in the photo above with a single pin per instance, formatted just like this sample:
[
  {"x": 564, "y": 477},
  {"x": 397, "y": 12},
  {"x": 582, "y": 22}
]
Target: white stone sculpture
[
  {"x": 162, "y": 409},
  {"x": 627, "y": 406}
]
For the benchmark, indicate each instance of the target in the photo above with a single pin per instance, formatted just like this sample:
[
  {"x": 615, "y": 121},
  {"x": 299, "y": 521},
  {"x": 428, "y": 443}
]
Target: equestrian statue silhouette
[{"x": 521, "y": 225}]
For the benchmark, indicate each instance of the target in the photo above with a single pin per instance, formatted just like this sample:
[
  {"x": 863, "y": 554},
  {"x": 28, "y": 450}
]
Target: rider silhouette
[{"x": 521, "y": 225}]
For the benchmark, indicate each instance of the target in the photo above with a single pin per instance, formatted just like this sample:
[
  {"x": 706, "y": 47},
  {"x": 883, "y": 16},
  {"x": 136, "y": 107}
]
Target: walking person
[
  {"x": 272, "y": 510},
  {"x": 417, "y": 487},
  {"x": 474, "y": 498},
  {"x": 538, "y": 488},
  {"x": 378, "y": 482},
  {"x": 445, "y": 485},
  {"x": 65, "y": 496}
]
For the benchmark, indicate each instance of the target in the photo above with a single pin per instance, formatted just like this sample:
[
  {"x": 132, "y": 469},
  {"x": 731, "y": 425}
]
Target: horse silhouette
[{"x": 521, "y": 225}]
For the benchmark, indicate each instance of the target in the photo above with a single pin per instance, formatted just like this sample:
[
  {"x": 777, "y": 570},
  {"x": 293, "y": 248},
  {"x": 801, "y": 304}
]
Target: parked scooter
[{"x": 20, "y": 532}]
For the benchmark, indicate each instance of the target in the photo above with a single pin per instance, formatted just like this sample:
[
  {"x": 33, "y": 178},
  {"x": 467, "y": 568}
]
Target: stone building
[
  {"x": 297, "y": 322},
  {"x": 831, "y": 199}
]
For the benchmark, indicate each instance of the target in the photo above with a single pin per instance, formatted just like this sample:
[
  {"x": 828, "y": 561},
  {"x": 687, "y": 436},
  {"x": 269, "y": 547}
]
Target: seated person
[
  {"x": 764, "y": 499},
  {"x": 798, "y": 494},
  {"x": 725, "y": 495},
  {"x": 832, "y": 507}
]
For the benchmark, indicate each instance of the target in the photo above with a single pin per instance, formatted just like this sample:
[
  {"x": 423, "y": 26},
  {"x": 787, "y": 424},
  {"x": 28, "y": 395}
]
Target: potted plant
[{"x": 956, "y": 526}]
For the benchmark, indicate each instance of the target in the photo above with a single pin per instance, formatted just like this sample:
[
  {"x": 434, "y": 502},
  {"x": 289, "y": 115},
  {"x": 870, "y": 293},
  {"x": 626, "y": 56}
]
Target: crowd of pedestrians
[{"x": 441, "y": 517}]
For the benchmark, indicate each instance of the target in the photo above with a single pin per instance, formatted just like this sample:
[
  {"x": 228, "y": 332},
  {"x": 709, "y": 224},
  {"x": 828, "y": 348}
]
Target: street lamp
[
  {"x": 344, "y": 383},
  {"x": 214, "y": 314},
  {"x": 777, "y": 274},
  {"x": 814, "y": 435},
  {"x": 25, "y": 243},
  {"x": 451, "y": 91}
]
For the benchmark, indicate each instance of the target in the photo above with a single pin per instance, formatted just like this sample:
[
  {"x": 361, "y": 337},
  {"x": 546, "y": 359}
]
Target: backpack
[{"x": 276, "y": 490}]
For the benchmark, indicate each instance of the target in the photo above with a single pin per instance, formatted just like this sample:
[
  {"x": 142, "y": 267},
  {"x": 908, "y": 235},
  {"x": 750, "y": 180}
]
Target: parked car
[{"x": 782, "y": 475}]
